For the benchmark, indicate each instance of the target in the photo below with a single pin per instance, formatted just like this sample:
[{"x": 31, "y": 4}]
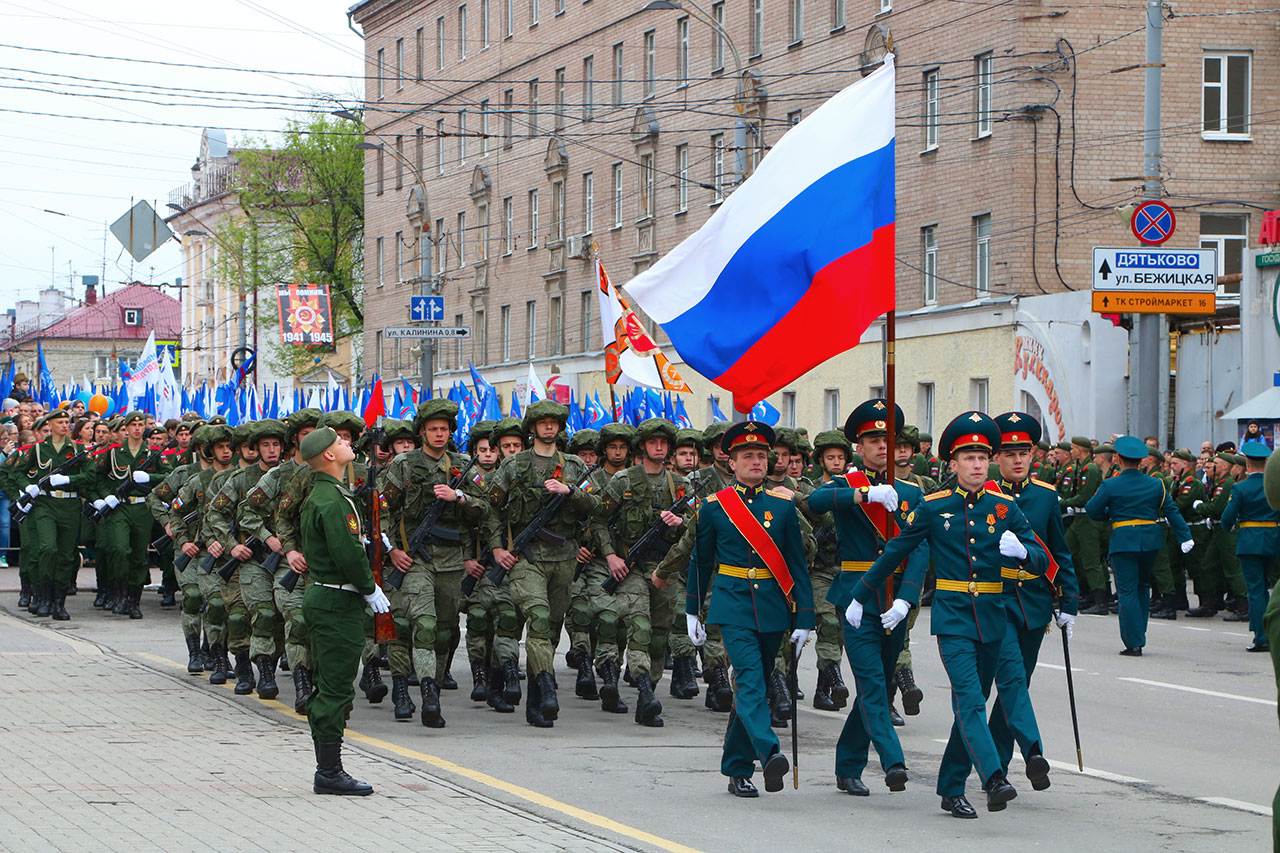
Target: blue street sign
[{"x": 426, "y": 309}]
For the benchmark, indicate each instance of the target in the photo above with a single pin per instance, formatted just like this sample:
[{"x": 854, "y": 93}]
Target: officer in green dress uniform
[
  {"x": 1257, "y": 536},
  {"x": 867, "y": 512},
  {"x": 973, "y": 534},
  {"x": 1130, "y": 503},
  {"x": 341, "y": 586},
  {"x": 1217, "y": 562},
  {"x": 749, "y": 557}
]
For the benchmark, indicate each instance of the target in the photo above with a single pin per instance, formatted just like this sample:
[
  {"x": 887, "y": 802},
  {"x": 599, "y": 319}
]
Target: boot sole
[
  {"x": 358, "y": 792},
  {"x": 911, "y": 701},
  {"x": 775, "y": 770},
  {"x": 376, "y": 693},
  {"x": 999, "y": 801},
  {"x": 268, "y": 692},
  {"x": 896, "y": 779},
  {"x": 1038, "y": 772}
]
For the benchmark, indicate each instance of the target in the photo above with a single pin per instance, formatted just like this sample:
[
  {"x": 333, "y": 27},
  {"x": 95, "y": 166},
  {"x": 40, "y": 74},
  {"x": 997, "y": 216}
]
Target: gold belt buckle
[
  {"x": 751, "y": 574},
  {"x": 973, "y": 588}
]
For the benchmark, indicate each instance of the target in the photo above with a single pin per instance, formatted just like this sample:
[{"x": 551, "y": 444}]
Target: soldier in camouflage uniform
[
  {"x": 428, "y": 598},
  {"x": 254, "y": 629},
  {"x": 631, "y": 503},
  {"x": 832, "y": 454},
  {"x": 684, "y": 655},
  {"x": 581, "y": 652},
  {"x": 186, "y": 521},
  {"x": 161, "y": 503},
  {"x": 1079, "y": 481},
  {"x": 540, "y": 577},
  {"x": 706, "y": 481}
]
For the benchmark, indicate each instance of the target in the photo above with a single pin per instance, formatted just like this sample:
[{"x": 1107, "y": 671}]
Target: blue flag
[
  {"x": 717, "y": 416},
  {"x": 46, "y": 377},
  {"x": 765, "y": 413},
  {"x": 515, "y": 407},
  {"x": 681, "y": 418}
]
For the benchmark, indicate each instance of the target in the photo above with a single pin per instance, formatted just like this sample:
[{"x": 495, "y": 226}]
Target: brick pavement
[{"x": 104, "y": 753}]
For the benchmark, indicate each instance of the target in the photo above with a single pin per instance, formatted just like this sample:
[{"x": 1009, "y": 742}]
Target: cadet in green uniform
[
  {"x": 1131, "y": 502},
  {"x": 1083, "y": 536},
  {"x": 972, "y": 534},
  {"x": 749, "y": 556},
  {"x": 119, "y": 495},
  {"x": 1218, "y": 562},
  {"x": 341, "y": 586},
  {"x": 54, "y": 524},
  {"x": 1257, "y": 537},
  {"x": 831, "y": 454},
  {"x": 1185, "y": 489},
  {"x": 540, "y": 577},
  {"x": 431, "y": 586},
  {"x": 632, "y": 502}
]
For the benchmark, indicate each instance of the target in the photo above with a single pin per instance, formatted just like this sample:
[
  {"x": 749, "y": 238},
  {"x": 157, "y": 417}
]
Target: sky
[{"x": 64, "y": 179}]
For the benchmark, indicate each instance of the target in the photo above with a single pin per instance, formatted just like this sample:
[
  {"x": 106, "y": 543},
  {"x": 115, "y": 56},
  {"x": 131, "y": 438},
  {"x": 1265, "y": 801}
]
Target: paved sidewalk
[{"x": 103, "y": 753}]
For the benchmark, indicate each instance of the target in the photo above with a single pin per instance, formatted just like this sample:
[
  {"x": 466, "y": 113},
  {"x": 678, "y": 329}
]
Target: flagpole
[
  {"x": 613, "y": 405},
  {"x": 890, "y": 342}
]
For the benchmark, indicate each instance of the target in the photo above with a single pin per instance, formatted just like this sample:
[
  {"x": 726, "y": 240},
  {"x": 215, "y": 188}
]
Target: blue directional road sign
[{"x": 426, "y": 309}]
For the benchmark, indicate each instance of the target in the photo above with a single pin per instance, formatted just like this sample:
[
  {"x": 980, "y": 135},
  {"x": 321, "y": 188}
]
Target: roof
[
  {"x": 104, "y": 320},
  {"x": 1264, "y": 406}
]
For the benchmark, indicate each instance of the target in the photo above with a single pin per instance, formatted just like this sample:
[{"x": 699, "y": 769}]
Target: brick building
[{"x": 539, "y": 129}]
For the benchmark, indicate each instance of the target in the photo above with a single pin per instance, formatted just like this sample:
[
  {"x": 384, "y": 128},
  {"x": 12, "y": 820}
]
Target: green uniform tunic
[{"x": 54, "y": 524}]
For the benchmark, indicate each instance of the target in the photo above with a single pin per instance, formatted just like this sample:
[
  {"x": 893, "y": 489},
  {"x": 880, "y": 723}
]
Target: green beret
[
  {"x": 317, "y": 441},
  {"x": 583, "y": 439},
  {"x": 1225, "y": 456},
  {"x": 192, "y": 416},
  {"x": 1063, "y": 445},
  {"x": 438, "y": 409},
  {"x": 1081, "y": 441},
  {"x": 342, "y": 419},
  {"x": 1238, "y": 459},
  {"x": 40, "y": 421},
  {"x": 1105, "y": 448},
  {"x": 302, "y": 419},
  {"x": 217, "y": 420},
  {"x": 1043, "y": 445},
  {"x": 1185, "y": 455},
  {"x": 135, "y": 415}
]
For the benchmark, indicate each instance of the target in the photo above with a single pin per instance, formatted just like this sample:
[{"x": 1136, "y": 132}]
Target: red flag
[{"x": 376, "y": 407}]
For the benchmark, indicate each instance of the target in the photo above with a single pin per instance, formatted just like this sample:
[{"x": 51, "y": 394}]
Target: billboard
[{"x": 306, "y": 315}]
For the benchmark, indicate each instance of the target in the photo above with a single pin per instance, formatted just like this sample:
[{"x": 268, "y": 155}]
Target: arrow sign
[
  {"x": 1104, "y": 270},
  {"x": 426, "y": 309},
  {"x": 1106, "y": 301}
]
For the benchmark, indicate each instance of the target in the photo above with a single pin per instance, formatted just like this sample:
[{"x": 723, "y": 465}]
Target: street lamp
[{"x": 701, "y": 14}]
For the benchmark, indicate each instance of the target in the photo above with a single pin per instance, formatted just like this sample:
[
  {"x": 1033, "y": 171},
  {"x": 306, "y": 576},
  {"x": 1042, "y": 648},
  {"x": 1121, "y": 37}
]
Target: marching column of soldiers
[{"x": 323, "y": 547}]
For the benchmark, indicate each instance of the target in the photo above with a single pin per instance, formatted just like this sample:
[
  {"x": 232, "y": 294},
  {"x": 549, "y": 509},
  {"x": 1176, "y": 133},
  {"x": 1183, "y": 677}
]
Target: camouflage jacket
[
  {"x": 194, "y": 496},
  {"x": 160, "y": 500},
  {"x": 256, "y": 513},
  {"x": 408, "y": 486},
  {"x": 288, "y": 512},
  {"x": 629, "y": 505},
  {"x": 516, "y": 493},
  {"x": 222, "y": 517}
]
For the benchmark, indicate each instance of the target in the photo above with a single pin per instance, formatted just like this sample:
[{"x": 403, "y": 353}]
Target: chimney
[{"x": 90, "y": 289}]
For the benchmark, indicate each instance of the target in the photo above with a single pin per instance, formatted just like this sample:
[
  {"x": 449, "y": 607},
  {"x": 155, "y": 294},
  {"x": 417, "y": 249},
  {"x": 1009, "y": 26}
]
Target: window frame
[
  {"x": 717, "y": 38},
  {"x": 1219, "y": 239},
  {"x": 535, "y": 216},
  {"x": 1223, "y": 134},
  {"x": 508, "y": 225},
  {"x": 619, "y": 74},
  {"x": 682, "y": 178},
  {"x": 441, "y": 42},
  {"x": 929, "y": 263},
  {"x": 462, "y": 31},
  {"x": 619, "y": 194},
  {"x": 650, "y": 64},
  {"x": 588, "y": 87},
  {"x": 931, "y": 112},
  {"x": 982, "y": 255},
  {"x": 984, "y": 66},
  {"x": 682, "y": 52},
  {"x": 588, "y": 202}
]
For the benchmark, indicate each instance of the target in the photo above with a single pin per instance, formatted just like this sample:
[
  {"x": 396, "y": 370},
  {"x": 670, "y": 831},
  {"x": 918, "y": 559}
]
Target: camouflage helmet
[
  {"x": 394, "y": 429},
  {"x": 832, "y": 438},
  {"x": 197, "y": 437},
  {"x": 713, "y": 433},
  {"x": 436, "y": 410},
  {"x": 910, "y": 434},
  {"x": 786, "y": 437},
  {"x": 243, "y": 434},
  {"x": 302, "y": 419},
  {"x": 584, "y": 439},
  {"x": 802, "y": 441},
  {"x": 508, "y": 426},
  {"x": 689, "y": 438},
  {"x": 268, "y": 428},
  {"x": 213, "y": 434},
  {"x": 343, "y": 419},
  {"x": 615, "y": 432},
  {"x": 656, "y": 428},
  {"x": 480, "y": 431},
  {"x": 545, "y": 409}
]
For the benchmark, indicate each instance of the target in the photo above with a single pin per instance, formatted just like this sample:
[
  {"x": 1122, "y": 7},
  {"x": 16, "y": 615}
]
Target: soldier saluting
[{"x": 749, "y": 556}]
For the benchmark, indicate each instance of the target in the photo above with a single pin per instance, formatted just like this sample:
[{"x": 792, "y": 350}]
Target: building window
[
  {"x": 797, "y": 21},
  {"x": 831, "y": 408},
  {"x": 931, "y": 117},
  {"x": 534, "y": 12},
  {"x": 381, "y": 169},
  {"x": 555, "y": 330},
  {"x": 440, "y": 43},
  {"x": 531, "y": 329},
  {"x": 399, "y": 162},
  {"x": 793, "y": 117},
  {"x": 617, "y": 75},
  {"x": 682, "y": 178},
  {"x": 1226, "y": 99},
  {"x": 978, "y": 394},
  {"x": 510, "y": 15},
  {"x": 682, "y": 52},
  {"x": 132, "y": 316},
  {"x": 757, "y": 27},
  {"x": 504, "y": 332},
  {"x": 482, "y": 212},
  {"x": 886, "y": 6},
  {"x": 584, "y": 320},
  {"x": 717, "y": 37},
  {"x": 557, "y": 210},
  {"x": 462, "y": 239},
  {"x": 1229, "y": 234},
  {"x": 382, "y": 63},
  {"x": 588, "y": 87},
  {"x": 929, "y": 263},
  {"x": 419, "y": 46},
  {"x": 533, "y": 107},
  {"x": 419, "y": 141},
  {"x": 462, "y": 136},
  {"x": 560, "y": 99},
  {"x": 924, "y": 406},
  {"x": 480, "y": 338},
  {"x": 484, "y": 24},
  {"x": 508, "y": 226},
  {"x": 646, "y": 185},
  {"x": 588, "y": 202},
  {"x": 617, "y": 195},
  {"x": 837, "y": 14},
  {"x": 462, "y": 31},
  {"x": 399, "y": 64},
  {"x": 533, "y": 219},
  {"x": 508, "y": 111},
  {"x": 650, "y": 63},
  {"x": 983, "y": 67},
  {"x": 789, "y": 408},
  {"x": 717, "y": 168},
  {"x": 399, "y": 256},
  {"x": 982, "y": 254},
  {"x": 440, "y": 146},
  {"x": 378, "y": 260},
  {"x": 484, "y": 128}
]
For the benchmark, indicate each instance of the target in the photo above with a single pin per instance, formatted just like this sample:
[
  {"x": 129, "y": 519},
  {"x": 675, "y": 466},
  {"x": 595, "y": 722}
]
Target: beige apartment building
[{"x": 525, "y": 135}]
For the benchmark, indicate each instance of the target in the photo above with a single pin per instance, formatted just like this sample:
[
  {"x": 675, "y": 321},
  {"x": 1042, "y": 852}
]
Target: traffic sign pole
[{"x": 1148, "y": 390}]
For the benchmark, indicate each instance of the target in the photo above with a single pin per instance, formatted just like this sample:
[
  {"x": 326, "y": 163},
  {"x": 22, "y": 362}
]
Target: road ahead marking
[
  {"x": 480, "y": 777},
  {"x": 1239, "y": 805},
  {"x": 1201, "y": 691}
]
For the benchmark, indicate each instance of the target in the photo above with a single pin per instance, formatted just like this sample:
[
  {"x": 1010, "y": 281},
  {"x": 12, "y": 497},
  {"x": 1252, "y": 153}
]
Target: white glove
[
  {"x": 1188, "y": 546},
  {"x": 141, "y": 477},
  {"x": 1197, "y": 504},
  {"x": 378, "y": 601},
  {"x": 1011, "y": 546},
  {"x": 57, "y": 480},
  {"x": 1066, "y": 621},
  {"x": 99, "y": 504},
  {"x": 32, "y": 490},
  {"x": 886, "y": 496},
  {"x": 697, "y": 634},
  {"x": 799, "y": 637},
  {"x": 853, "y": 613},
  {"x": 111, "y": 501},
  {"x": 895, "y": 614}
]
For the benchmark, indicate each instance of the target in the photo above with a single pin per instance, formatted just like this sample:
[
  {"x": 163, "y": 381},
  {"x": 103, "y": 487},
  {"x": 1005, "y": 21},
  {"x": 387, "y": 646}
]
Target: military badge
[
  {"x": 353, "y": 524},
  {"x": 991, "y": 519},
  {"x": 1002, "y": 511}
]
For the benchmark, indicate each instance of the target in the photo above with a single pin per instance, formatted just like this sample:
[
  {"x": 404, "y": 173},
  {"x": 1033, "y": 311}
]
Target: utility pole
[
  {"x": 1147, "y": 387},
  {"x": 426, "y": 286}
]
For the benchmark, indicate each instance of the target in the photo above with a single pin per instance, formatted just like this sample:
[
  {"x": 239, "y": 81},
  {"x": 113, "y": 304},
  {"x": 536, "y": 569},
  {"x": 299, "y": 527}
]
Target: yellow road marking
[{"x": 478, "y": 776}]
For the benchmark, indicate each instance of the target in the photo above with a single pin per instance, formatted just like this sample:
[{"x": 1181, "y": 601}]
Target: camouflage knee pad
[
  {"x": 539, "y": 618},
  {"x": 215, "y": 610},
  {"x": 508, "y": 621},
  {"x": 607, "y": 625},
  {"x": 640, "y": 634},
  {"x": 266, "y": 622},
  {"x": 402, "y": 629},
  {"x": 192, "y": 600},
  {"x": 477, "y": 620},
  {"x": 424, "y": 632},
  {"x": 238, "y": 622},
  {"x": 299, "y": 632}
]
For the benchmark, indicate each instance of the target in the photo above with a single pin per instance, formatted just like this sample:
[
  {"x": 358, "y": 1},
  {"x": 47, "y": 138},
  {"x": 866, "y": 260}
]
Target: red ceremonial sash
[
  {"x": 876, "y": 514},
  {"x": 757, "y": 537},
  {"x": 1051, "y": 573}
]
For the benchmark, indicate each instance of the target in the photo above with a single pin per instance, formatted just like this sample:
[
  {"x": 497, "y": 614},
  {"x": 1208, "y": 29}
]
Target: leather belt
[
  {"x": 971, "y": 587},
  {"x": 345, "y": 587},
  {"x": 861, "y": 566},
  {"x": 1133, "y": 522},
  {"x": 58, "y": 493},
  {"x": 1244, "y": 524},
  {"x": 1016, "y": 574},
  {"x": 748, "y": 574}
]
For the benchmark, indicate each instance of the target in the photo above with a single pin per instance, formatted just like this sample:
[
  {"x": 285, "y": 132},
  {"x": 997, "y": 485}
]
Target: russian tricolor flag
[{"x": 794, "y": 265}]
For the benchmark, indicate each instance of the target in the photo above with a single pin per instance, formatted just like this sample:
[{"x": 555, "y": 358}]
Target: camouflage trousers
[
  {"x": 540, "y": 590},
  {"x": 426, "y": 613},
  {"x": 237, "y": 612},
  {"x": 593, "y": 614},
  {"x": 192, "y": 600},
  {"x": 215, "y": 604},
  {"x": 493, "y": 629},
  {"x": 646, "y": 616},
  {"x": 904, "y": 657},
  {"x": 266, "y": 629},
  {"x": 297, "y": 639}
]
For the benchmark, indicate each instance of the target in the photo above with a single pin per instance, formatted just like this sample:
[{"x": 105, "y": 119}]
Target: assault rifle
[
  {"x": 647, "y": 540},
  {"x": 429, "y": 529},
  {"x": 26, "y": 503}
]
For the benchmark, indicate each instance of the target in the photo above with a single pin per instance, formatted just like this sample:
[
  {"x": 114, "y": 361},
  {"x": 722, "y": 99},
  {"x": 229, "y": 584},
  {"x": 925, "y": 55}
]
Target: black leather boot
[
  {"x": 549, "y": 706},
  {"x": 375, "y": 689},
  {"x": 108, "y": 597},
  {"x": 779, "y": 701},
  {"x": 822, "y": 693},
  {"x": 431, "y": 716},
  {"x": 447, "y": 681},
  {"x": 195, "y": 660},
  {"x": 683, "y": 683},
  {"x": 37, "y": 593},
  {"x": 1099, "y": 606},
  {"x": 533, "y": 708},
  {"x": 584, "y": 686},
  {"x": 302, "y": 688},
  {"x": 610, "y": 701},
  {"x": 720, "y": 691},
  {"x": 99, "y": 597},
  {"x": 911, "y": 694},
  {"x": 839, "y": 691},
  {"x": 648, "y": 708},
  {"x": 168, "y": 597},
  {"x": 999, "y": 792},
  {"x": 404, "y": 707},
  {"x": 267, "y": 687},
  {"x": 121, "y": 607},
  {"x": 45, "y": 607},
  {"x": 479, "y": 681},
  {"x": 218, "y": 667},
  {"x": 511, "y": 682},
  {"x": 496, "y": 698},
  {"x": 58, "y": 610},
  {"x": 331, "y": 778},
  {"x": 133, "y": 606},
  {"x": 244, "y": 675}
]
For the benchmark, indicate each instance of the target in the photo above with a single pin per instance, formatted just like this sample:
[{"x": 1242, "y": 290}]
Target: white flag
[
  {"x": 146, "y": 370},
  {"x": 630, "y": 355},
  {"x": 168, "y": 391}
]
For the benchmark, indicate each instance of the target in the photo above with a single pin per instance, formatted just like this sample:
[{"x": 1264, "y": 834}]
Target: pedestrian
[
  {"x": 8, "y": 446},
  {"x": 1258, "y": 536}
]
